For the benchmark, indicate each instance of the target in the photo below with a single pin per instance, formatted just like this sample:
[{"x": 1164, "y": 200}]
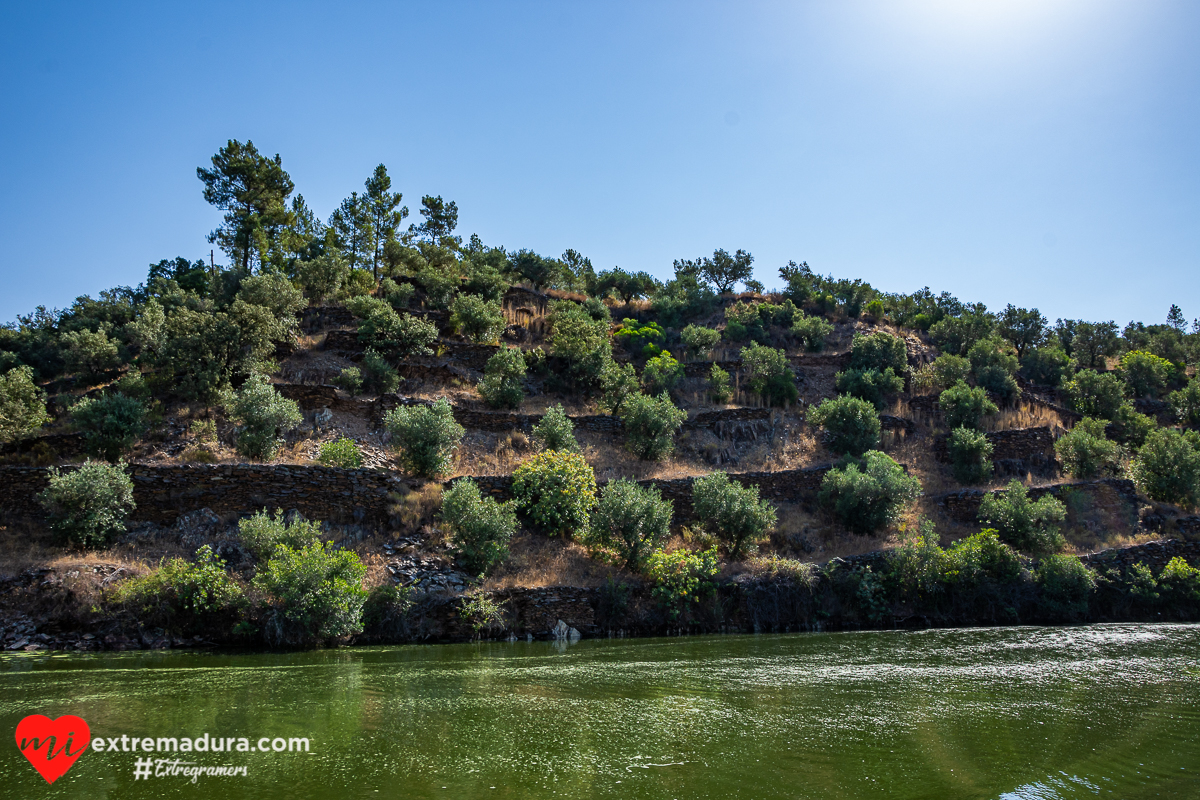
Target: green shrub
[
  {"x": 640, "y": 339},
  {"x": 556, "y": 490},
  {"x": 185, "y": 598},
  {"x": 379, "y": 377},
  {"x": 878, "y": 351},
  {"x": 1145, "y": 374},
  {"x": 618, "y": 383},
  {"x": 350, "y": 379},
  {"x": 1095, "y": 394},
  {"x": 555, "y": 431},
  {"x": 482, "y": 613},
  {"x": 398, "y": 335},
  {"x": 1066, "y": 586},
  {"x": 994, "y": 367},
  {"x": 769, "y": 375},
  {"x": 811, "y": 332},
  {"x": 262, "y": 533},
  {"x": 979, "y": 560},
  {"x": 342, "y": 453},
  {"x": 744, "y": 323},
  {"x": 1167, "y": 468},
  {"x": 733, "y": 512},
  {"x": 90, "y": 354},
  {"x": 261, "y": 414},
  {"x": 503, "y": 384},
  {"x": 427, "y": 437},
  {"x": 1180, "y": 584},
  {"x": 719, "y": 388},
  {"x": 398, "y": 295},
  {"x": 1046, "y": 366},
  {"x": 650, "y": 425},
  {"x": 478, "y": 319},
  {"x": 1028, "y": 526},
  {"x": 88, "y": 506},
  {"x": 388, "y": 613},
  {"x": 1131, "y": 428},
  {"x": 956, "y": 335},
  {"x": 311, "y": 595},
  {"x": 867, "y": 494},
  {"x": 949, "y": 370},
  {"x": 480, "y": 526},
  {"x": 1085, "y": 452},
  {"x": 661, "y": 373},
  {"x": 629, "y": 522},
  {"x": 876, "y": 387},
  {"x": 681, "y": 577},
  {"x": 699, "y": 340},
  {"x": 582, "y": 342},
  {"x": 874, "y": 310},
  {"x": 110, "y": 424},
  {"x": 22, "y": 404},
  {"x": 851, "y": 425},
  {"x": 965, "y": 406},
  {"x": 970, "y": 455},
  {"x": 357, "y": 283},
  {"x": 1186, "y": 402},
  {"x": 322, "y": 276},
  {"x": 276, "y": 293}
]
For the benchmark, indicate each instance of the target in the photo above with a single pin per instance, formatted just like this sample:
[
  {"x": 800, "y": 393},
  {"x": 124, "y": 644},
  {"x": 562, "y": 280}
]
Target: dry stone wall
[{"x": 1115, "y": 492}]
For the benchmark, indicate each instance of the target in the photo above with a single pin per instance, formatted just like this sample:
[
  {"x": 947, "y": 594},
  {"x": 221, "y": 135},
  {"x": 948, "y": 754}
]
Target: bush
[
  {"x": 1028, "y": 526},
  {"x": 582, "y": 342},
  {"x": 1131, "y": 428},
  {"x": 503, "y": 384},
  {"x": 1145, "y": 374},
  {"x": 629, "y": 522},
  {"x": 398, "y": 295},
  {"x": 650, "y": 425},
  {"x": 733, "y": 512},
  {"x": 478, "y": 319},
  {"x": 262, "y": 414},
  {"x": 556, "y": 491},
  {"x": 1180, "y": 584},
  {"x": 870, "y": 384},
  {"x": 273, "y": 291},
  {"x": 965, "y": 406},
  {"x": 185, "y": 598},
  {"x": 769, "y": 374},
  {"x": 994, "y": 367},
  {"x": 866, "y": 495},
  {"x": 350, "y": 380},
  {"x": 811, "y": 331},
  {"x": 1095, "y": 394},
  {"x": 1066, "y": 586},
  {"x": 956, "y": 335},
  {"x": 851, "y": 425},
  {"x": 981, "y": 560},
  {"x": 618, "y": 383},
  {"x": 322, "y": 276},
  {"x": 555, "y": 431},
  {"x": 22, "y": 404},
  {"x": 398, "y": 335},
  {"x": 342, "y": 453},
  {"x": 699, "y": 340},
  {"x": 88, "y": 506},
  {"x": 949, "y": 370},
  {"x": 744, "y": 323},
  {"x": 682, "y": 576},
  {"x": 110, "y": 424},
  {"x": 639, "y": 339},
  {"x": 719, "y": 388},
  {"x": 1085, "y": 452},
  {"x": 311, "y": 595},
  {"x": 482, "y": 613},
  {"x": 426, "y": 435},
  {"x": 1186, "y": 402},
  {"x": 661, "y": 373},
  {"x": 879, "y": 351},
  {"x": 388, "y": 613},
  {"x": 480, "y": 527},
  {"x": 262, "y": 533},
  {"x": 378, "y": 376},
  {"x": 1167, "y": 468},
  {"x": 1046, "y": 366},
  {"x": 970, "y": 455},
  {"x": 90, "y": 355}
]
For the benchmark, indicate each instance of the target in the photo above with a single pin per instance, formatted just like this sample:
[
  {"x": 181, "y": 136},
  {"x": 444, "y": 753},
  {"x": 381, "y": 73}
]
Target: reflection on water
[{"x": 986, "y": 713}]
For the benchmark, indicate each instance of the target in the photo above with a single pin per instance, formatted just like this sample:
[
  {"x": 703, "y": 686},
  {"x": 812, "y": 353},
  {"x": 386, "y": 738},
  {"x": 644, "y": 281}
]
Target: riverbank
[{"x": 68, "y": 607}]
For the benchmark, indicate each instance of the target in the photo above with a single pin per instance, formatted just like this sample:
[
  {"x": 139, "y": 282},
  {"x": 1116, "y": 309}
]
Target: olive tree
[
  {"x": 427, "y": 436},
  {"x": 629, "y": 522},
  {"x": 738, "y": 517}
]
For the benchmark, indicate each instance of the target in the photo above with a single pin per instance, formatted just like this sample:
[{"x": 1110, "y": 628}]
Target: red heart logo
[{"x": 50, "y": 744}]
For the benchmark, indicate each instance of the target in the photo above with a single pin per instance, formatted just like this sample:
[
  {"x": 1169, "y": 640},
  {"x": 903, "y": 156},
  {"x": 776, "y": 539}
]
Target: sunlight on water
[{"x": 1017, "y": 713}]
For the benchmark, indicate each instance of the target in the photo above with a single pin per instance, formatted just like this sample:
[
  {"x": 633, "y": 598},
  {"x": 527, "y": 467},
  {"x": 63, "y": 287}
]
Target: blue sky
[{"x": 1035, "y": 152}]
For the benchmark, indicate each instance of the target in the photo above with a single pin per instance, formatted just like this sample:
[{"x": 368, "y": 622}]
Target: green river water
[{"x": 1108, "y": 711}]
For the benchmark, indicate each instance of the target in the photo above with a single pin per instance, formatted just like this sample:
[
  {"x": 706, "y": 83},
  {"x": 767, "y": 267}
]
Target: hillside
[{"x": 446, "y": 430}]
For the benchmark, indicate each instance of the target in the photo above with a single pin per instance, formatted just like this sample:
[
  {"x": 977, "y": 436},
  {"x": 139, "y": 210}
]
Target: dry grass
[{"x": 535, "y": 560}]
